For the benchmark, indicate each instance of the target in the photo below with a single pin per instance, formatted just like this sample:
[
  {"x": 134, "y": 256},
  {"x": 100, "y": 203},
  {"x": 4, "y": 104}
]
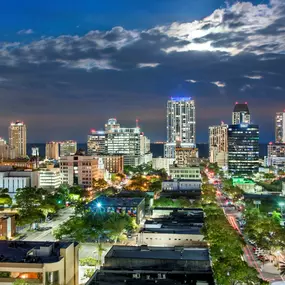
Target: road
[
  {"x": 232, "y": 215},
  {"x": 63, "y": 215}
]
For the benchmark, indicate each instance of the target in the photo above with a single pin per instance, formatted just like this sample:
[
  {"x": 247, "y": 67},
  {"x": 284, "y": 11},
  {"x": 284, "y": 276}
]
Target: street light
[
  {"x": 99, "y": 205},
  {"x": 281, "y": 204}
]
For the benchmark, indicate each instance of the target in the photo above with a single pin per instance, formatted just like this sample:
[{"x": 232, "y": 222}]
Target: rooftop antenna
[{"x": 137, "y": 123}]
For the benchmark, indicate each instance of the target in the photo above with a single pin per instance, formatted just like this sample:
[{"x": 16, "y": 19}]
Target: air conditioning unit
[{"x": 161, "y": 276}]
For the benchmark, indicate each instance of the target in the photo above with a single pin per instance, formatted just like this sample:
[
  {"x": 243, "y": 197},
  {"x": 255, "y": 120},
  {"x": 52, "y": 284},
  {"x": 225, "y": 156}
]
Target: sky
[{"x": 68, "y": 66}]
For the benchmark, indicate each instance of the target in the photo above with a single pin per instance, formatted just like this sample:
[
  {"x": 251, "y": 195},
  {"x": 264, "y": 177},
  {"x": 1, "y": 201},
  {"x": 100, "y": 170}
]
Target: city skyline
[{"x": 65, "y": 71}]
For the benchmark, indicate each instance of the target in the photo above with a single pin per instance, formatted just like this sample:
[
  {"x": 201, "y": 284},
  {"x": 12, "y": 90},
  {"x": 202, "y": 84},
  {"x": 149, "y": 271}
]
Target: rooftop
[
  {"x": 241, "y": 107},
  {"x": 169, "y": 253},
  {"x": 116, "y": 201},
  {"x": 31, "y": 251}
]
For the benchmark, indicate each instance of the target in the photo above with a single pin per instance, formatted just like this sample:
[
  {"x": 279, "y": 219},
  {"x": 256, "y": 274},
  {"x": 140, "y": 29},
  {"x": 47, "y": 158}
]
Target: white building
[
  {"x": 186, "y": 172},
  {"x": 18, "y": 139},
  {"x": 181, "y": 185},
  {"x": 181, "y": 124},
  {"x": 12, "y": 180},
  {"x": 276, "y": 155},
  {"x": 218, "y": 144},
  {"x": 280, "y": 127},
  {"x": 49, "y": 178},
  {"x": 162, "y": 163},
  {"x": 68, "y": 148}
]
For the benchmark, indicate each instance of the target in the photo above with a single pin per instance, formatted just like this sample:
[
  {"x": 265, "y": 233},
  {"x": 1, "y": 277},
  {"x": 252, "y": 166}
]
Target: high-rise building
[
  {"x": 218, "y": 144},
  {"x": 276, "y": 154},
  {"x": 52, "y": 150},
  {"x": 241, "y": 114},
  {"x": 4, "y": 150},
  {"x": 68, "y": 148},
  {"x": 280, "y": 127},
  {"x": 96, "y": 142},
  {"x": 18, "y": 139},
  {"x": 243, "y": 149},
  {"x": 129, "y": 142},
  {"x": 181, "y": 124}
]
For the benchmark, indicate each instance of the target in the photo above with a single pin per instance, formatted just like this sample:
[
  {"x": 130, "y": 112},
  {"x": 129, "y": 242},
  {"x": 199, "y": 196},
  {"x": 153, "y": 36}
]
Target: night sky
[{"x": 68, "y": 66}]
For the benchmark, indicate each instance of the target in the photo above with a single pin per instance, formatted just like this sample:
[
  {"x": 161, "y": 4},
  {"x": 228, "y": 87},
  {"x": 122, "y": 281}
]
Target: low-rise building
[
  {"x": 177, "y": 229},
  {"x": 21, "y": 163},
  {"x": 159, "y": 212},
  {"x": 185, "y": 172},
  {"x": 154, "y": 265},
  {"x": 39, "y": 262},
  {"x": 134, "y": 207},
  {"x": 7, "y": 226},
  {"x": 12, "y": 180},
  {"x": 49, "y": 178},
  {"x": 186, "y": 156},
  {"x": 178, "y": 188}
]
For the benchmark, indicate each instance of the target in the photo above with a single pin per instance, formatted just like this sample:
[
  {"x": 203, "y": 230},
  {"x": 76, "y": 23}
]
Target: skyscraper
[
  {"x": 68, "y": 148},
  {"x": 181, "y": 124},
  {"x": 52, "y": 150},
  {"x": 243, "y": 148},
  {"x": 280, "y": 127},
  {"x": 241, "y": 114},
  {"x": 4, "y": 149},
  {"x": 218, "y": 144},
  {"x": 18, "y": 139},
  {"x": 95, "y": 142}
]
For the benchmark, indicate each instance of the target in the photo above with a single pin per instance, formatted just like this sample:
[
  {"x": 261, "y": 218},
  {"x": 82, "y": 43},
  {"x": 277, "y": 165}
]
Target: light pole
[{"x": 281, "y": 204}]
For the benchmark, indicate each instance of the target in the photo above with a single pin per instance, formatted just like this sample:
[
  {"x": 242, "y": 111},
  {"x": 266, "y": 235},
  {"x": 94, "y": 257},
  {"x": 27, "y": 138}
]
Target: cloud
[
  {"x": 191, "y": 80},
  {"x": 143, "y": 65},
  {"x": 219, "y": 84},
  {"x": 254, "y": 77},
  {"x": 25, "y": 32}
]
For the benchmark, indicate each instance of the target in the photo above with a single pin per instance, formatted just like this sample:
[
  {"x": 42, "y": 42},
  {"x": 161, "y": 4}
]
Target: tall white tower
[
  {"x": 181, "y": 124},
  {"x": 18, "y": 139}
]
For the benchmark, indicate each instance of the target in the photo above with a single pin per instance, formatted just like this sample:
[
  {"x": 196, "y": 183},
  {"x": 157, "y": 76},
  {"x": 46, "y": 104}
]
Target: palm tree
[
  {"x": 100, "y": 250},
  {"x": 282, "y": 267}
]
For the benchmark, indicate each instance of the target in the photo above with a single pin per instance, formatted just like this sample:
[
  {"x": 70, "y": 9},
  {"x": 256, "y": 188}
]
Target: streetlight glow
[{"x": 98, "y": 205}]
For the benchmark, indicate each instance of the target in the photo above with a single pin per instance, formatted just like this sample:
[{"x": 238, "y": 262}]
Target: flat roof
[
  {"x": 116, "y": 201},
  {"x": 172, "y": 253},
  {"x": 178, "y": 230},
  {"x": 28, "y": 251},
  {"x": 183, "y": 180}
]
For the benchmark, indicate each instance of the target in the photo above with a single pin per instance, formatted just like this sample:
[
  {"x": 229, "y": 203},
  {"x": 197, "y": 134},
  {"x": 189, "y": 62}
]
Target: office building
[
  {"x": 52, "y": 150},
  {"x": 7, "y": 226},
  {"x": 276, "y": 155},
  {"x": 241, "y": 114},
  {"x": 162, "y": 163},
  {"x": 280, "y": 127},
  {"x": 243, "y": 149},
  {"x": 39, "y": 262},
  {"x": 154, "y": 265},
  {"x": 96, "y": 142},
  {"x": 185, "y": 172},
  {"x": 4, "y": 150},
  {"x": 112, "y": 163},
  {"x": 177, "y": 229},
  {"x": 134, "y": 207},
  {"x": 81, "y": 170},
  {"x": 18, "y": 139},
  {"x": 181, "y": 124},
  {"x": 50, "y": 178},
  {"x": 186, "y": 156},
  {"x": 218, "y": 144},
  {"x": 68, "y": 148},
  {"x": 129, "y": 142}
]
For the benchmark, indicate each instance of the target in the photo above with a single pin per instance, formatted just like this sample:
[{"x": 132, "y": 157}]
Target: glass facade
[{"x": 243, "y": 148}]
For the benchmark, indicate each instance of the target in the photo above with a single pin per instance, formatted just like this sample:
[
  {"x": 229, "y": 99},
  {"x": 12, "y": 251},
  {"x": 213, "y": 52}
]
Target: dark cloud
[{"x": 63, "y": 86}]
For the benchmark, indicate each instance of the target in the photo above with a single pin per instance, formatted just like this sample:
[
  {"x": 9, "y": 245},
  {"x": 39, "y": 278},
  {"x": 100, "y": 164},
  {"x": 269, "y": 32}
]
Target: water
[{"x": 156, "y": 149}]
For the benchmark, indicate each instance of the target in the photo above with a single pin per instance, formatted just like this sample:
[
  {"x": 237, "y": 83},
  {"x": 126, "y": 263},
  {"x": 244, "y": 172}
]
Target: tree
[
  {"x": 116, "y": 224},
  {"x": 99, "y": 184},
  {"x": 21, "y": 282},
  {"x": 156, "y": 186}
]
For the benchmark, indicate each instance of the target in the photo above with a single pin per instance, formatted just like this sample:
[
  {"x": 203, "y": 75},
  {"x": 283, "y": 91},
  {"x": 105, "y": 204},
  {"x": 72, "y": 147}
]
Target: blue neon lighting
[{"x": 180, "y": 99}]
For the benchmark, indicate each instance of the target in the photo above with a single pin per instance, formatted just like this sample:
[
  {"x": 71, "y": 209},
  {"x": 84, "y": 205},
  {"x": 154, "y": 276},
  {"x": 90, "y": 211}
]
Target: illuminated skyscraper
[
  {"x": 218, "y": 144},
  {"x": 96, "y": 142},
  {"x": 18, "y": 139},
  {"x": 181, "y": 124},
  {"x": 4, "y": 149},
  {"x": 241, "y": 114},
  {"x": 52, "y": 150},
  {"x": 280, "y": 127},
  {"x": 68, "y": 148}
]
